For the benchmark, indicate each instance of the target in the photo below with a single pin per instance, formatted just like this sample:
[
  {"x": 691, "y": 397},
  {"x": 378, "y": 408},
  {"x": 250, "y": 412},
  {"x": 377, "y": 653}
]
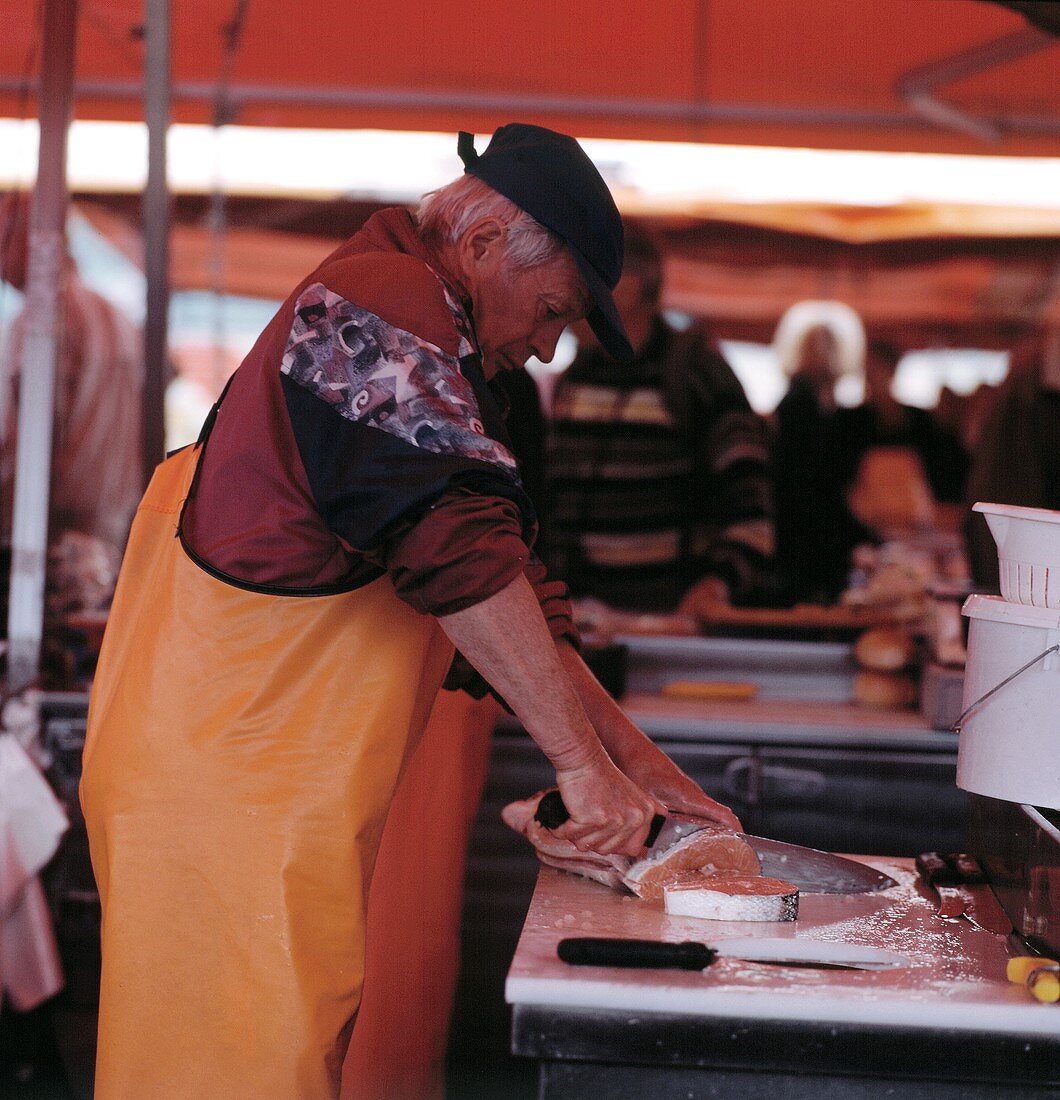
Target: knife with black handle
[
  {"x": 963, "y": 890},
  {"x": 808, "y": 869},
  {"x": 640, "y": 954},
  {"x": 771, "y": 951},
  {"x": 943, "y": 878}
]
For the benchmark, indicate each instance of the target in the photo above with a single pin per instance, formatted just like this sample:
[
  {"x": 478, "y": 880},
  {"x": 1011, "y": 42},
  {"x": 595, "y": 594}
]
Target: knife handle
[
  {"x": 935, "y": 870},
  {"x": 552, "y": 813},
  {"x": 968, "y": 868},
  {"x": 641, "y": 954}
]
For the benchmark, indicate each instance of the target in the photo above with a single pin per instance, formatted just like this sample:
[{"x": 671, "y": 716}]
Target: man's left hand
[
  {"x": 705, "y": 594},
  {"x": 657, "y": 775}
]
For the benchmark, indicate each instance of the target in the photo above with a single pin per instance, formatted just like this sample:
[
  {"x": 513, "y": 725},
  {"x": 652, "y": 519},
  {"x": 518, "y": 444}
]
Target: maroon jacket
[{"x": 359, "y": 436}]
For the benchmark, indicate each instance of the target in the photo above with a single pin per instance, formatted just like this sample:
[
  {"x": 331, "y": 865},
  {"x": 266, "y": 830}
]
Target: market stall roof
[
  {"x": 988, "y": 290},
  {"x": 954, "y": 76}
]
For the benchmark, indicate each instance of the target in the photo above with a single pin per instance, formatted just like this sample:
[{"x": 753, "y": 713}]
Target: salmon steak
[
  {"x": 712, "y": 850},
  {"x": 730, "y": 896}
]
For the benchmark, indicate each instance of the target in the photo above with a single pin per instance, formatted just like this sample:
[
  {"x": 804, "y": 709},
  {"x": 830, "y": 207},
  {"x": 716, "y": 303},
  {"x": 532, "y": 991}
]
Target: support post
[
  {"x": 156, "y": 209},
  {"x": 41, "y": 344}
]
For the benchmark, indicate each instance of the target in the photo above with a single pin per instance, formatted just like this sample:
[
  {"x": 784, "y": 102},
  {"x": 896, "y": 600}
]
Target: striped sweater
[{"x": 658, "y": 476}]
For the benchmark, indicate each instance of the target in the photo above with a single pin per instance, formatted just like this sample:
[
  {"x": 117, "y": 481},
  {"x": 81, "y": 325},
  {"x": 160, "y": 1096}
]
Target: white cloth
[{"x": 32, "y": 822}]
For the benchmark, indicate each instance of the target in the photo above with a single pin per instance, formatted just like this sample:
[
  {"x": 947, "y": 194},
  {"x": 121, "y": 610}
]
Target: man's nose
[{"x": 544, "y": 342}]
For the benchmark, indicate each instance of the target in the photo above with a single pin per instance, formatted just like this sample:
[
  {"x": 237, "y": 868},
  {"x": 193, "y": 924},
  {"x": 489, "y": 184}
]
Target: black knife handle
[
  {"x": 968, "y": 868},
  {"x": 935, "y": 870},
  {"x": 642, "y": 954},
  {"x": 552, "y": 813}
]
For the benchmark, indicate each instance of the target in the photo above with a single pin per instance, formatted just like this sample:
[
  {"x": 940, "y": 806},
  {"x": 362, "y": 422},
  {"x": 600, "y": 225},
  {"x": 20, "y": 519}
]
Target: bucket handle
[{"x": 956, "y": 727}]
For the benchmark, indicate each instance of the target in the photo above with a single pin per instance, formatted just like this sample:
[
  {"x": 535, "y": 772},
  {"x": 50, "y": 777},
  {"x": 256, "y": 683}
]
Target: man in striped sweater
[{"x": 659, "y": 494}]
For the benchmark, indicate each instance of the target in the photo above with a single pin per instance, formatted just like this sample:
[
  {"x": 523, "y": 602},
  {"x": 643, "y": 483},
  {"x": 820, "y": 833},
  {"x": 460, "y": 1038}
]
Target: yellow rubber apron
[{"x": 242, "y": 751}]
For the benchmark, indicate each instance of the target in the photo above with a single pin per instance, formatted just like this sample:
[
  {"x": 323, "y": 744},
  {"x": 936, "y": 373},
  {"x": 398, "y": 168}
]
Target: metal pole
[
  {"x": 40, "y": 349},
  {"x": 156, "y": 231},
  {"x": 243, "y": 96}
]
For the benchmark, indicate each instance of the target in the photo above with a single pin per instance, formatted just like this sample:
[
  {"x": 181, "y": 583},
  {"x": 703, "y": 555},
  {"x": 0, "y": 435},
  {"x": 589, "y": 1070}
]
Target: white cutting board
[{"x": 956, "y": 977}]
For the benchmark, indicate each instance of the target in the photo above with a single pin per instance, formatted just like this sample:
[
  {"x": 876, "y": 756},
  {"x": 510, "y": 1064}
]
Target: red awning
[{"x": 929, "y": 75}]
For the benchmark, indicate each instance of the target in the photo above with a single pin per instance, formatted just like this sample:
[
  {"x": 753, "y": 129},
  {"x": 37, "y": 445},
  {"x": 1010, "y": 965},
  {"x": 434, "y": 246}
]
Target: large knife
[
  {"x": 963, "y": 891},
  {"x": 656, "y": 955},
  {"x": 812, "y": 871}
]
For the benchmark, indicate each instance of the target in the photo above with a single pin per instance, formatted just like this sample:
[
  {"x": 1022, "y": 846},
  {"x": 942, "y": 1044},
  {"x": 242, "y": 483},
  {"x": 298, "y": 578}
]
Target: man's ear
[{"x": 483, "y": 240}]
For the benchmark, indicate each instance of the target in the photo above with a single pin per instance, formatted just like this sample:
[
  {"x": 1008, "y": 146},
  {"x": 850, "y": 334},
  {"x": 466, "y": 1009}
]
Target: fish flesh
[
  {"x": 710, "y": 851},
  {"x": 556, "y": 852}
]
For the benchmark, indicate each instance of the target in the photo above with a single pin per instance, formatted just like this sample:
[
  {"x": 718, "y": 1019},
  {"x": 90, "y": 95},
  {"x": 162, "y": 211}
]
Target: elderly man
[{"x": 293, "y": 591}]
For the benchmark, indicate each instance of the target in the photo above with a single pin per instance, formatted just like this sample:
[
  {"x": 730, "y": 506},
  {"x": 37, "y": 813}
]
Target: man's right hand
[{"x": 609, "y": 813}]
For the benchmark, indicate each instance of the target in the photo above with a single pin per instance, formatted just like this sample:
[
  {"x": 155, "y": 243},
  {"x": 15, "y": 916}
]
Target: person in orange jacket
[{"x": 293, "y": 590}]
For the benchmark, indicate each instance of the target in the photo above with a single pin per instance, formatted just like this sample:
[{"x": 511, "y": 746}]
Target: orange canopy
[{"x": 928, "y": 75}]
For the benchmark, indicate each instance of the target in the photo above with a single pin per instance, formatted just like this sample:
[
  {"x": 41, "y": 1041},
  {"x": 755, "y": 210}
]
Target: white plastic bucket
[
  {"x": 1010, "y": 743},
  {"x": 1028, "y": 550}
]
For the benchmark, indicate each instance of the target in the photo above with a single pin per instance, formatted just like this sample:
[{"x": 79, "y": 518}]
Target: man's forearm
[
  {"x": 635, "y": 753},
  {"x": 618, "y": 734},
  {"x": 506, "y": 639}
]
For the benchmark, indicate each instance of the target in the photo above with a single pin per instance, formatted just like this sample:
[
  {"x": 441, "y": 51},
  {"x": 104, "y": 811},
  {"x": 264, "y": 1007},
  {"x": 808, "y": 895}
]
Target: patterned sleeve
[{"x": 387, "y": 425}]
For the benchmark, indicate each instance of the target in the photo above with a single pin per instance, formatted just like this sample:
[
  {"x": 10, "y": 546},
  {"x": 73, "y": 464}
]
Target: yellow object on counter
[
  {"x": 1044, "y": 983},
  {"x": 709, "y": 689},
  {"x": 1040, "y": 975}
]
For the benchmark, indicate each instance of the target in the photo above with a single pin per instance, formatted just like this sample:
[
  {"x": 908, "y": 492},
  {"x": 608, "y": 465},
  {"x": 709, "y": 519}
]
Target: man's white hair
[{"x": 444, "y": 215}]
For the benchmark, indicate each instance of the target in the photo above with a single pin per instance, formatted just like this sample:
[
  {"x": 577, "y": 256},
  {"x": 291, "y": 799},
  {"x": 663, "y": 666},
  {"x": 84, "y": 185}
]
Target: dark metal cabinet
[{"x": 861, "y": 801}]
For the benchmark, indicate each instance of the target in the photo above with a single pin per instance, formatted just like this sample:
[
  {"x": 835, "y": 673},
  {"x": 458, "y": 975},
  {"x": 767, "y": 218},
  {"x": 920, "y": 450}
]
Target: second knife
[{"x": 776, "y": 951}]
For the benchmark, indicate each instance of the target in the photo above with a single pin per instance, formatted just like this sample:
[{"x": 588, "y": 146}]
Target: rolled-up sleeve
[{"x": 464, "y": 549}]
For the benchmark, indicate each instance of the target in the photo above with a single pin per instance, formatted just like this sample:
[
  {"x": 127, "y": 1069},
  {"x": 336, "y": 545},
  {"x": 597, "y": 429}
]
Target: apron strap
[
  {"x": 200, "y": 446},
  {"x": 211, "y": 416}
]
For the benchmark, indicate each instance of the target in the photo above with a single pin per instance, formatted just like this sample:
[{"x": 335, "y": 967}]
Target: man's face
[{"x": 521, "y": 313}]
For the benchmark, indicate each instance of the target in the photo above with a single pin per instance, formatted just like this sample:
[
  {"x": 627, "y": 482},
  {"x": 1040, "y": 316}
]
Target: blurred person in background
[
  {"x": 97, "y": 467},
  {"x": 816, "y": 530},
  {"x": 658, "y": 486},
  {"x": 900, "y": 470},
  {"x": 1017, "y": 460},
  {"x": 96, "y": 461}
]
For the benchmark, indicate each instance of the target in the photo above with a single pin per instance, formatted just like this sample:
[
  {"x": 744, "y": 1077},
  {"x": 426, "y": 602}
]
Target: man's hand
[
  {"x": 506, "y": 639},
  {"x": 609, "y": 813},
  {"x": 704, "y": 595},
  {"x": 657, "y": 775},
  {"x": 636, "y": 754}
]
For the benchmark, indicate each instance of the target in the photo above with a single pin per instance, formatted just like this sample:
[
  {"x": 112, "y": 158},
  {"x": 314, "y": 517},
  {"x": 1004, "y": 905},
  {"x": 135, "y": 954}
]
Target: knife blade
[
  {"x": 814, "y": 871},
  {"x": 690, "y": 955},
  {"x": 982, "y": 908},
  {"x": 943, "y": 878}
]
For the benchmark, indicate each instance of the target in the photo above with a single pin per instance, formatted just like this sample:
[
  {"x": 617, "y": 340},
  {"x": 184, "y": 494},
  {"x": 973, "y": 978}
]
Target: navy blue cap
[{"x": 550, "y": 176}]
